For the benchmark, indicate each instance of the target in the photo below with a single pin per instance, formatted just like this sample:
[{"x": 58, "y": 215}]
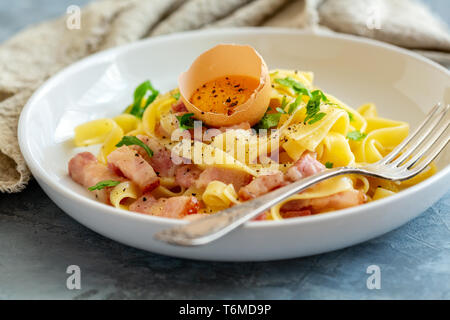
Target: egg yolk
[{"x": 224, "y": 94}]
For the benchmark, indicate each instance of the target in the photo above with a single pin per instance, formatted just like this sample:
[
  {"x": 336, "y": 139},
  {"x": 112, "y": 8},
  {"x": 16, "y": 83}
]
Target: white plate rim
[{"x": 108, "y": 54}]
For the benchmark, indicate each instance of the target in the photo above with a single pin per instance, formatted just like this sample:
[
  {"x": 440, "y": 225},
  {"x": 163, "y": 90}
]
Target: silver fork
[{"x": 408, "y": 159}]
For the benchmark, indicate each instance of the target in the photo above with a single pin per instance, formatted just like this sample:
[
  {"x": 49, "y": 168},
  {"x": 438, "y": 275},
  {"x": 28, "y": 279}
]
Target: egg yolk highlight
[{"x": 224, "y": 94}]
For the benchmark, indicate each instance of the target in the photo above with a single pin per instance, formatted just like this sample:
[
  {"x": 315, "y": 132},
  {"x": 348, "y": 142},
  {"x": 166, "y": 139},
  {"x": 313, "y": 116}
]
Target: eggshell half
[{"x": 226, "y": 60}]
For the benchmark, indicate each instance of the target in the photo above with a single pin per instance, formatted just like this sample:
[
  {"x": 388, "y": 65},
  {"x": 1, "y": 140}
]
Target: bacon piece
[
  {"x": 133, "y": 166},
  {"x": 237, "y": 178},
  {"x": 263, "y": 216},
  {"x": 261, "y": 185},
  {"x": 294, "y": 214},
  {"x": 179, "y": 107},
  {"x": 162, "y": 157},
  {"x": 304, "y": 167},
  {"x": 160, "y": 132},
  {"x": 185, "y": 175},
  {"x": 143, "y": 204},
  {"x": 84, "y": 169},
  {"x": 174, "y": 207},
  {"x": 341, "y": 200}
]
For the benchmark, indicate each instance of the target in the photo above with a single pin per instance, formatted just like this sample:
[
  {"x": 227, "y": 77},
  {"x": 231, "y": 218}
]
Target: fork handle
[{"x": 210, "y": 228}]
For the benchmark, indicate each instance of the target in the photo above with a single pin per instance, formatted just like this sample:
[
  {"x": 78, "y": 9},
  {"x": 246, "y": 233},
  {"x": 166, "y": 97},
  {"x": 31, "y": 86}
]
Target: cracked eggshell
[{"x": 227, "y": 60}]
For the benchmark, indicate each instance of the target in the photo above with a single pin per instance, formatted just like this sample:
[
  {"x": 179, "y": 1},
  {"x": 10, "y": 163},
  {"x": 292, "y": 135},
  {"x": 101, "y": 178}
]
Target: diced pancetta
[
  {"x": 261, "y": 217},
  {"x": 84, "y": 169},
  {"x": 336, "y": 201},
  {"x": 161, "y": 161},
  {"x": 235, "y": 177},
  {"x": 179, "y": 107},
  {"x": 143, "y": 204},
  {"x": 304, "y": 167},
  {"x": 133, "y": 166},
  {"x": 186, "y": 175},
  {"x": 174, "y": 207},
  {"x": 160, "y": 132},
  {"x": 294, "y": 214},
  {"x": 261, "y": 185}
]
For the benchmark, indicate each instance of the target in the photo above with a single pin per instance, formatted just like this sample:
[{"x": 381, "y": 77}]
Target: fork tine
[
  {"x": 424, "y": 134},
  {"x": 394, "y": 153},
  {"x": 432, "y": 139},
  {"x": 437, "y": 147}
]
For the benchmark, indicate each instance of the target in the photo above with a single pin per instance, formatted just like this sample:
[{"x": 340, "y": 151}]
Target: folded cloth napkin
[{"x": 32, "y": 56}]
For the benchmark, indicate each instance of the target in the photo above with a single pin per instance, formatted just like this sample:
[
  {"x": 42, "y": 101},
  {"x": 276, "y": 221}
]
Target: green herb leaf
[
  {"x": 294, "y": 105},
  {"x": 144, "y": 91},
  {"x": 103, "y": 184},
  {"x": 351, "y": 117},
  {"x": 317, "y": 117},
  {"x": 131, "y": 140},
  {"x": 294, "y": 84},
  {"x": 287, "y": 82},
  {"x": 269, "y": 120},
  {"x": 283, "y": 102},
  {"x": 176, "y": 96},
  {"x": 186, "y": 121},
  {"x": 281, "y": 110},
  {"x": 322, "y": 95},
  {"x": 356, "y": 135},
  {"x": 329, "y": 165},
  {"x": 313, "y": 113}
]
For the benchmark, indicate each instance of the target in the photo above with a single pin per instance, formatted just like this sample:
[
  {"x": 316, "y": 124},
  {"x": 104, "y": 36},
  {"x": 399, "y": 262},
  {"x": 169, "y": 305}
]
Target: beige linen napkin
[{"x": 32, "y": 56}]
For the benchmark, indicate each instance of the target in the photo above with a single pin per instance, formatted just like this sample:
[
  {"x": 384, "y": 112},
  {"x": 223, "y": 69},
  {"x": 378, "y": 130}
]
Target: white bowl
[{"x": 402, "y": 84}]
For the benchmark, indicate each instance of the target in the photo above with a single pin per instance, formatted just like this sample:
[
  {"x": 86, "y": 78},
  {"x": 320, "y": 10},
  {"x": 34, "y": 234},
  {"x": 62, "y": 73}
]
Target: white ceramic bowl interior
[{"x": 404, "y": 86}]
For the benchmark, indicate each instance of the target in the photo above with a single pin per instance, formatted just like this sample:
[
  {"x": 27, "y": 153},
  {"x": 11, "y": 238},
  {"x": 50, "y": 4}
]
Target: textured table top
[{"x": 38, "y": 241}]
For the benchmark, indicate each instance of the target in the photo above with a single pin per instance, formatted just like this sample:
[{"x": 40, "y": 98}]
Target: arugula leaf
[
  {"x": 313, "y": 113},
  {"x": 329, "y": 165},
  {"x": 273, "y": 73},
  {"x": 294, "y": 84},
  {"x": 283, "y": 102},
  {"x": 351, "y": 117},
  {"x": 287, "y": 82},
  {"x": 294, "y": 105},
  {"x": 283, "y": 105},
  {"x": 269, "y": 120},
  {"x": 103, "y": 184},
  {"x": 356, "y": 135},
  {"x": 131, "y": 140},
  {"x": 176, "y": 96},
  {"x": 317, "y": 117},
  {"x": 186, "y": 121},
  {"x": 281, "y": 110},
  {"x": 322, "y": 96},
  {"x": 144, "y": 91}
]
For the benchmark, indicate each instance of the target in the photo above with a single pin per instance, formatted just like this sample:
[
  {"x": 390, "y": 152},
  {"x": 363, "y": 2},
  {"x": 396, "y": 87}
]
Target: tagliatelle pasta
[
  {"x": 93, "y": 132},
  {"x": 168, "y": 163},
  {"x": 122, "y": 192},
  {"x": 218, "y": 195},
  {"x": 114, "y": 136}
]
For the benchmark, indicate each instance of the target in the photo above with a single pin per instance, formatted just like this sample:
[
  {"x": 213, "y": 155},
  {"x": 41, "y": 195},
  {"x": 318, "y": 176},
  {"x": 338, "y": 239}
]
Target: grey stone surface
[{"x": 38, "y": 241}]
